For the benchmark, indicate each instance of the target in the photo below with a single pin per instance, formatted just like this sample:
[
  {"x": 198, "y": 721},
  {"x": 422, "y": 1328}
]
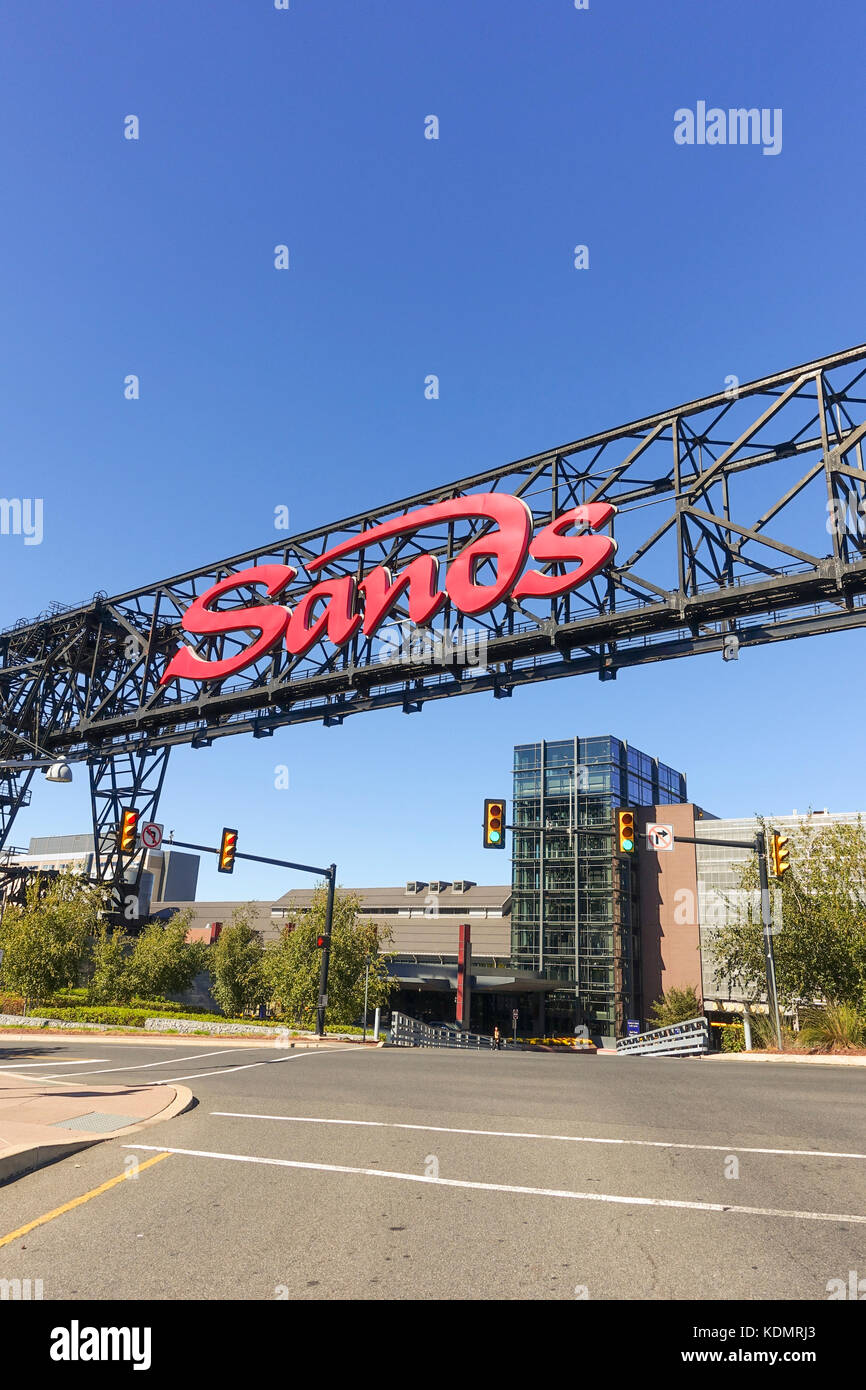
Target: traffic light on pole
[
  {"x": 228, "y": 847},
  {"x": 494, "y": 823},
  {"x": 127, "y": 831},
  {"x": 321, "y": 942},
  {"x": 625, "y": 831},
  {"x": 780, "y": 852}
]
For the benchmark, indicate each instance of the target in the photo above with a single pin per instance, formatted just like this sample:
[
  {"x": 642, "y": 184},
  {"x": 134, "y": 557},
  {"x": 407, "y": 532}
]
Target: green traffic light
[
  {"x": 495, "y": 837},
  {"x": 628, "y": 845}
]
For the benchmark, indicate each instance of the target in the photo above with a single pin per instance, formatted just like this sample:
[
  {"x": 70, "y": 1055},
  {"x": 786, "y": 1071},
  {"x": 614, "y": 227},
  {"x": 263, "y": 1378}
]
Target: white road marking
[
  {"x": 518, "y": 1134},
  {"x": 197, "y": 1075},
  {"x": 55, "y": 1080},
  {"x": 505, "y": 1187},
  {"x": 84, "y": 1062},
  {"x": 142, "y": 1066},
  {"x": 298, "y": 1055}
]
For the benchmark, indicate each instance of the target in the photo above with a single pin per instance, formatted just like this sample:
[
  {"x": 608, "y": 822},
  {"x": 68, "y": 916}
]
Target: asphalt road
[{"x": 401, "y": 1174}]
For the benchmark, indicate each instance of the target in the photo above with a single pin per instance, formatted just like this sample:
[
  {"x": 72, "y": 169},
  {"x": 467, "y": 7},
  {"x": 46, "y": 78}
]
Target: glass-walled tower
[{"x": 574, "y": 903}]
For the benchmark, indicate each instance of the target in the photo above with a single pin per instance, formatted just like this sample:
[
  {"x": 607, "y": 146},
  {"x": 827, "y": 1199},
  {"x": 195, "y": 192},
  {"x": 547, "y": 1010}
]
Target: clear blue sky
[{"x": 409, "y": 257}]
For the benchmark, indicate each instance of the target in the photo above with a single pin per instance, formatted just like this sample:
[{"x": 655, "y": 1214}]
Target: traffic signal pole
[
  {"x": 326, "y": 952},
  {"x": 329, "y": 874},
  {"x": 759, "y": 847},
  {"x": 766, "y": 920}
]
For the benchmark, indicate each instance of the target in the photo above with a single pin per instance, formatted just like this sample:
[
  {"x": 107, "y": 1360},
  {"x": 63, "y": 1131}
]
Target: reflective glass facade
[{"x": 574, "y": 903}]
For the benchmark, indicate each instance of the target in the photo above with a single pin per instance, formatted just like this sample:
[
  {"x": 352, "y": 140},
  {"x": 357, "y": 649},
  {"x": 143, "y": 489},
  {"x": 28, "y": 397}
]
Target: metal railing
[
  {"x": 688, "y": 1039},
  {"x": 409, "y": 1032}
]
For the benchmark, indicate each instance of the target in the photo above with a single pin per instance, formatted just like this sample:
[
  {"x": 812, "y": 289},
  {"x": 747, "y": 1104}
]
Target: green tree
[
  {"x": 820, "y": 943},
  {"x": 676, "y": 1005},
  {"x": 44, "y": 941},
  {"x": 111, "y": 979},
  {"x": 163, "y": 962},
  {"x": 236, "y": 964},
  {"x": 292, "y": 963}
]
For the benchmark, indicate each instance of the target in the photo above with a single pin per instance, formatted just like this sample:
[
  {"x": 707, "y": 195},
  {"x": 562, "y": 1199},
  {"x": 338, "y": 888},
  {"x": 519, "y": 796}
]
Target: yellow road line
[{"x": 77, "y": 1201}]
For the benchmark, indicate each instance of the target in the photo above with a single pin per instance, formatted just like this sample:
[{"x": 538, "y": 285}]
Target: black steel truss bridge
[{"x": 740, "y": 520}]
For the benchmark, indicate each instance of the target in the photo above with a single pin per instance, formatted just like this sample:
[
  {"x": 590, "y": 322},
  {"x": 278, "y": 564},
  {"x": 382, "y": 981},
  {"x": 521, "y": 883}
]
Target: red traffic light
[
  {"x": 228, "y": 849},
  {"x": 320, "y": 942},
  {"x": 127, "y": 832}
]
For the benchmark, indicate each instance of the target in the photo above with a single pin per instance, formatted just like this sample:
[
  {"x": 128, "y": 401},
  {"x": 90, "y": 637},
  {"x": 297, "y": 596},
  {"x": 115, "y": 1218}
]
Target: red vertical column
[{"x": 464, "y": 975}]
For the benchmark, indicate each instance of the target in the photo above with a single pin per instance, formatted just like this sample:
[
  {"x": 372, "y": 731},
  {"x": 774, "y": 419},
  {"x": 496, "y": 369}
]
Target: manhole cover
[{"x": 97, "y": 1122}]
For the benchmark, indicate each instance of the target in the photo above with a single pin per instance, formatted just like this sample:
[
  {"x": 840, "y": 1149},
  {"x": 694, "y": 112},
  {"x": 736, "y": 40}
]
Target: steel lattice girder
[
  {"x": 118, "y": 780},
  {"x": 734, "y": 516}
]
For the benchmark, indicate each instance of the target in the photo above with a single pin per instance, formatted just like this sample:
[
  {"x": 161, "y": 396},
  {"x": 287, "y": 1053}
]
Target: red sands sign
[{"x": 352, "y": 604}]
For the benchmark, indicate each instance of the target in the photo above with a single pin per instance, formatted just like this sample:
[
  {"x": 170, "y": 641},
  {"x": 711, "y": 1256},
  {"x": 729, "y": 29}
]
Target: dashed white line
[
  {"x": 519, "y": 1134},
  {"x": 507, "y": 1187}
]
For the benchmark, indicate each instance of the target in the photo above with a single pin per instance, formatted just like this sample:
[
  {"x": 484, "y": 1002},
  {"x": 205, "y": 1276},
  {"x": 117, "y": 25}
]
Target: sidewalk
[{"x": 40, "y": 1124}]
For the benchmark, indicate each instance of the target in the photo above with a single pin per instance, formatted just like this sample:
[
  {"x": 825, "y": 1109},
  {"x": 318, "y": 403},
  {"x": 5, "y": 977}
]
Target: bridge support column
[{"x": 118, "y": 781}]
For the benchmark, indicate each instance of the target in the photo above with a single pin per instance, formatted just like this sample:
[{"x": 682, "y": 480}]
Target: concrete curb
[
  {"x": 189, "y": 1029},
  {"x": 139, "y": 1038},
  {"x": 831, "y": 1059},
  {"x": 29, "y": 1157}
]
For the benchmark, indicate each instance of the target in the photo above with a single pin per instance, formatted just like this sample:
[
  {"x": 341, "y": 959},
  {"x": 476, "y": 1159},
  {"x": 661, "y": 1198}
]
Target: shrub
[
  {"x": 733, "y": 1038},
  {"x": 44, "y": 940},
  {"x": 838, "y": 1028},
  {"x": 764, "y": 1034},
  {"x": 236, "y": 966},
  {"x": 111, "y": 981},
  {"x": 677, "y": 1006},
  {"x": 163, "y": 961},
  {"x": 291, "y": 964}
]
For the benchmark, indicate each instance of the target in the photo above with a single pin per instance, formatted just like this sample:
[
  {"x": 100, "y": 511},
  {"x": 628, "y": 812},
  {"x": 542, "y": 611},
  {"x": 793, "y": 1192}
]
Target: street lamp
[
  {"x": 56, "y": 770},
  {"x": 59, "y": 772}
]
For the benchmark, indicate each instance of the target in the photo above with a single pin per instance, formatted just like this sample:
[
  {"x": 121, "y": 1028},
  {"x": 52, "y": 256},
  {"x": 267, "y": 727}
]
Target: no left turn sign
[{"x": 151, "y": 835}]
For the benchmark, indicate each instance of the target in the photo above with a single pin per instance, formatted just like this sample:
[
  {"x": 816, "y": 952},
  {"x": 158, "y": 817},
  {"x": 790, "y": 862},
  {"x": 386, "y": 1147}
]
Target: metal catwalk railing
[
  {"x": 409, "y": 1032},
  {"x": 688, "y": 1039}
]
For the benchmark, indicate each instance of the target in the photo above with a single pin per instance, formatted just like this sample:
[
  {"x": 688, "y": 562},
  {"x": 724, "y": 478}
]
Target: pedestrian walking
[{"x": 497, "y": 1039}]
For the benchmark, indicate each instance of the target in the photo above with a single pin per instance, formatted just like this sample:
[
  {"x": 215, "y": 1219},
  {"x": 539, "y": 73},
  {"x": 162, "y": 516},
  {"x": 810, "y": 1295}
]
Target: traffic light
[
  {"x": 127, "y": 830},
  {"x": 494, "y": 823},
  {"x": 625, "y": 831},
  {"x": 321, "y": 942},
  {"x": 228, "y": 846},
  {"x": 780, "y": 861}
]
